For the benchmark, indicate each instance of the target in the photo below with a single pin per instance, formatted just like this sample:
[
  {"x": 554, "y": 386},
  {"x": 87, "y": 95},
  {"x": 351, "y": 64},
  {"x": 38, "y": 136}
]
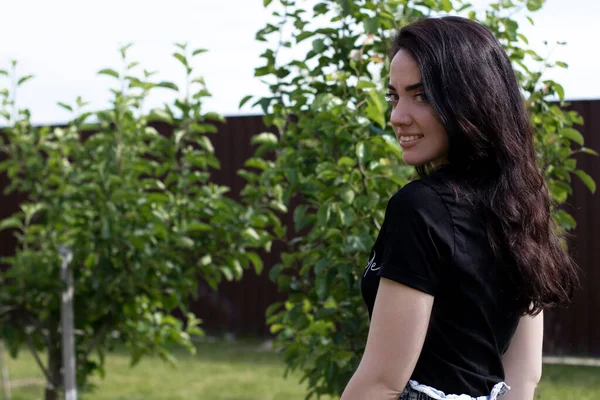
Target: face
[{"x": 417, "y": 127}]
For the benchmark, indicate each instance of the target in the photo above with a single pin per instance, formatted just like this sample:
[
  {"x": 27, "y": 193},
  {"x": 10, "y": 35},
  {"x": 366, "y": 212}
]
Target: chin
[{"x": 413, "y": 162}]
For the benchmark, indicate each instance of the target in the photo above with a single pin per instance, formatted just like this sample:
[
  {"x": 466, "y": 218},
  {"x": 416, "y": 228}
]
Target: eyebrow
[{"x": 408, "y": 88}]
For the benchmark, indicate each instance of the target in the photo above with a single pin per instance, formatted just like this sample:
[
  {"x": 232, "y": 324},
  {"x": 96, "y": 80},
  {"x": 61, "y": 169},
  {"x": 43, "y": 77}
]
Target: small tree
[
  {"x": 138, "y": 212},
  {"x": 336, "y": 151}
]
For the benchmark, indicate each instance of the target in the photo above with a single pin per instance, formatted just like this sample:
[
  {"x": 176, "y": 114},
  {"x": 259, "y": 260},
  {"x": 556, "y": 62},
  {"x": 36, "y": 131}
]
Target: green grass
[
  {"x": 219, "y": 371},
  {"x": 563, "y": 382},
  {"x": 237, "y": 371}
]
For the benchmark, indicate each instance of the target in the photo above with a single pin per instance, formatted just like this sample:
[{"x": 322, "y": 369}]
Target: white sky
[{"x": 65, "y": 42}]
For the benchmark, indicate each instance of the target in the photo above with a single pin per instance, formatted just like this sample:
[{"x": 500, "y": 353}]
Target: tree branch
[
  {"x": 37, "y": 358},
  {"x": 94, "y": 343}
]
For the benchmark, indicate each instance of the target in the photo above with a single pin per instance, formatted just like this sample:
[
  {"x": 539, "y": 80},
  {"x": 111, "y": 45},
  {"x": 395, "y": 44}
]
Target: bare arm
[
  {"x": 396, "y": 335},
  {"x": 523, "y": 359}
]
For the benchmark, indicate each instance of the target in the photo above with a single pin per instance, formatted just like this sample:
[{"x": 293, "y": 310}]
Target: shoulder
[
  {"x": 420, "y": 197},
  {"x": 420, "y": 209}
]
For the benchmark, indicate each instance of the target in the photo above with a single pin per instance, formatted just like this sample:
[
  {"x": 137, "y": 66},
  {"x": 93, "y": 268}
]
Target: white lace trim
[{"x": 498, "y": 390}]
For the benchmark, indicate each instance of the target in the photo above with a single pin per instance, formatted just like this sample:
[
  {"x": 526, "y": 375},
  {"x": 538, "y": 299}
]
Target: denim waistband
[{"x": 416, "y": 391}]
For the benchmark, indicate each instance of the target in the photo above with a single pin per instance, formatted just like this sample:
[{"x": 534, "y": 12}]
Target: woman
[{"x": 468, "y": 257}]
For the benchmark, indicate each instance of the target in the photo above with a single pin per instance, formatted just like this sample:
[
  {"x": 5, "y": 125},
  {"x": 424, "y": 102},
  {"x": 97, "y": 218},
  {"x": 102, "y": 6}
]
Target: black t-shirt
[{"x": 436, "y": 243}]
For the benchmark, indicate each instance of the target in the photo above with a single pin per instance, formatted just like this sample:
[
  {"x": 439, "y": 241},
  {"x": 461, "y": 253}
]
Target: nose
[{"x": 400, "y": 116}]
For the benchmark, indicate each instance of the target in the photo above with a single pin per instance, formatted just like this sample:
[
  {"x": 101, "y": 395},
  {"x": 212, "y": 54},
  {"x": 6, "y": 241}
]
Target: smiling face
[{"x": 417, "y": 127}]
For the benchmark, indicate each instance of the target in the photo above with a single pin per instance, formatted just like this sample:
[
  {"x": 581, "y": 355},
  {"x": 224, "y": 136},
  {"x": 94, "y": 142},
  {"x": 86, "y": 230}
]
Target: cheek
[{"x": 434, "y": 129}]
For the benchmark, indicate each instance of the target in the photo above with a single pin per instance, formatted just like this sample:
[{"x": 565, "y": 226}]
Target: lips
[{"x": 407, "y": 141}]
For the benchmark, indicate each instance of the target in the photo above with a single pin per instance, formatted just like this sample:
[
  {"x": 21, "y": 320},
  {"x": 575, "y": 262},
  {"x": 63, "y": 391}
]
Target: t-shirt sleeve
[{"x": 419, "y": 238}]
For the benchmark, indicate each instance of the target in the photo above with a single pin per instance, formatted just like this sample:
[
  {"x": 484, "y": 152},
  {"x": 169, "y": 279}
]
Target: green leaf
[
  {"x": 392, "y": 145},
  {"x": 523, "y": 38},
  {"x": 300, "y": 220},
  {"x": 324, "y": 214},
  {"x": 65, "y": 106},
  {"x": 179, "y": 135},
  {"x": 237, "y": 269},
  {"x": 346, "y": 7},
  {"x": 371, "y": 25},
  {"x": 110, "y": 72},
  {"x": 534, "y": 5},
  {"x": 181, "y": 59},
  {"x": 321, "y": 287},
  {"x": 361, "y": 152},
  {"x": 227, "y": 273},
  {"x": 587, "y": 150},
  {"x": 11, "y": 223},
  {"x": 347, "y": 195},
  {"x": 366, "y": 85},
  {"x": 565, "y": 220},
  {"x": 244, "y": 101},
  {"x": 24, "y": 79},
  {"x": 562, "y": 64},
  {"x": 318, "y": 46},
  {"x": 205, "y": 142},
  {"x": 91, "y": 260},
  {"x": 31, "y": 209},
  {"x": 559, "y": 190},
  {"x": 204, "y": 128},
  {"x": 572, "y": 134},
  {"x": 168, "y": 85},
  {"x": 251, "y": 234},
  {"x": 161, "y": 115},
  {"x": 376, "y": 108},
  {"x": 304, "y": 35},
  {"x": 3, "y": 72},
  {"x": 560, "y": 91},
  {"x": 199, "y": 51},
  {"x": 185, "y": 242},
  {"x": 256, "y": 261},
  {"x": 213, "y": 116},
  {"x": 198, "y": 227},
  {"x": 264, "y": 138},
  {"x": 266, "y": 3},
  {"x": 346, "y": 162},
  {"x": 347, "y": 217},
  {"x": 124, "y": 49},
  {"x": 447, "y": 5},
  {"x": 358, "y": 243},
  {"x": 587, "y": 180}
]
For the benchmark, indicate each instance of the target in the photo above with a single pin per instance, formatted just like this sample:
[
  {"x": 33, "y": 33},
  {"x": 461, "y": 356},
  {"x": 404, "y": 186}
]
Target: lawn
[{"x": 241, "y": 371}]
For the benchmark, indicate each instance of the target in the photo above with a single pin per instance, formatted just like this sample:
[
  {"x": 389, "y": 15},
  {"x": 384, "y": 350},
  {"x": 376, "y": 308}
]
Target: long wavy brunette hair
[{"x": 470, "y": 83}]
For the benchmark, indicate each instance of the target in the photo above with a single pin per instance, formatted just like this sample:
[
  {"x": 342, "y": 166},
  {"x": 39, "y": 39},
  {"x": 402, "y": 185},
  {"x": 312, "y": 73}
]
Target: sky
[{"x": 65, "y": 42}]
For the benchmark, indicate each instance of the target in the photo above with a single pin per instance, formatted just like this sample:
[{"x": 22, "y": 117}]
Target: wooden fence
[{"x": 239, "y": 307}]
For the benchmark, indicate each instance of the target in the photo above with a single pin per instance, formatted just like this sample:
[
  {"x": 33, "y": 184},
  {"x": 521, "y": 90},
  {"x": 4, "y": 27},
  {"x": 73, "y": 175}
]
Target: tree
[
  {"x": 336, "y": 156},
  {"x": 138, "y": 212}
]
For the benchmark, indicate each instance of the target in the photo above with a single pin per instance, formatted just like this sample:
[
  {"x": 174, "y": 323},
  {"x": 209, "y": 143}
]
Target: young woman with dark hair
[{"x": 468, "y": 256}]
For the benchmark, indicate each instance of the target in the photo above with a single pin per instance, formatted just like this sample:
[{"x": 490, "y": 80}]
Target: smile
[{"x": 410, "y": 138}]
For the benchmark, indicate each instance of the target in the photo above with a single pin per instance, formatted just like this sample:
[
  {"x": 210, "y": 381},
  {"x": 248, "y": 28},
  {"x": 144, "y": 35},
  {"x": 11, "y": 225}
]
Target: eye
[
  {"x": 421, "y": 98},
  {"x": 391, "y": 97}
]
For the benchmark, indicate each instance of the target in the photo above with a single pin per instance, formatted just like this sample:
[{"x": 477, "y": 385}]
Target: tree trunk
[
  {"x": 54, "y": 370},
  {"x": 4, "y": 376},
  {"x": 50, "y": 394}
]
